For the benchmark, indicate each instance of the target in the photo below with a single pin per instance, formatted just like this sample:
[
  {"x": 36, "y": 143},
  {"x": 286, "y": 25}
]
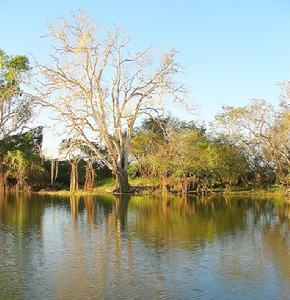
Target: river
[{"x": 144, "y": 247}]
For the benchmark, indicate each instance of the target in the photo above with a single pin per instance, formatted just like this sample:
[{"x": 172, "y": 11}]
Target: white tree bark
[{"x": 99, "y": 89}]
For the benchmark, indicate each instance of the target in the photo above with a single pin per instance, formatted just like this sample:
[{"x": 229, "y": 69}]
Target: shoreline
[{"x": 149, "y": 190}]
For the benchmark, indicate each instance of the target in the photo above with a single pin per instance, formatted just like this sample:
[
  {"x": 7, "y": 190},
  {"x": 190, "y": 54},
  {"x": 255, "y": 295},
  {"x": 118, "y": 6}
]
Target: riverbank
[
  {"x": 148, "y": 185},
  {"x": 142, "y": 185},
  {"x": 267, "y": 191}
]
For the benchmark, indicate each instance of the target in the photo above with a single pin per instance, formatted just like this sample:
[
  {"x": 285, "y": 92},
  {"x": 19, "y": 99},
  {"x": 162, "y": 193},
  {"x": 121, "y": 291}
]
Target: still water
[{"x": 144, "y": 248}]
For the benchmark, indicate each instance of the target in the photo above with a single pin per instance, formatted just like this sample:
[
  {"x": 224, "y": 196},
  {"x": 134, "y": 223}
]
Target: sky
[{"x": 233, "y": 51}]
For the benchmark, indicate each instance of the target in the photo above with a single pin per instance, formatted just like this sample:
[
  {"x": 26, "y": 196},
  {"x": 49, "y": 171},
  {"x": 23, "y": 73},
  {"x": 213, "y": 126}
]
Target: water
[{"x": 144, "y": 248}]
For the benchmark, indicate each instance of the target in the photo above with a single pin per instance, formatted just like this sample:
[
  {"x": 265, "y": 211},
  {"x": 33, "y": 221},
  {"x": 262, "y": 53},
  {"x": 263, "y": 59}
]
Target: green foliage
[
  {"x": 134, "y": 169},
  {"x": 187, "y": 159},
  {"x": 21, "y": 165},
  {"x": 28, "y": 142},
  {"x": 12, "y": 68},
  {"x": 15, "y": 105},
  {"x": 20, "y": 157},
  {"x": 261, "y": 130},
  {"x": 230, "y": 164}
]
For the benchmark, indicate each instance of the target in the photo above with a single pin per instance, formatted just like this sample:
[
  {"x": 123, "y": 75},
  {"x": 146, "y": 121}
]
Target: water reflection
[
  {"x": 20, "y": 237},
  {"x": 19, "y": 211},
  {"x": 143, "y": 247}
]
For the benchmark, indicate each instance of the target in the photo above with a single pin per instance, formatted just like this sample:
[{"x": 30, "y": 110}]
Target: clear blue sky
[{"x": 233, "y": 50}]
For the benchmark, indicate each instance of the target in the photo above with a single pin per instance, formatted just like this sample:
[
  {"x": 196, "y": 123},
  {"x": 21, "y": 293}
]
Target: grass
[
  {"x": 68, "y": 193},
  {"x": 104, "y": 186},
  {"x": 257, "y": 191},
  {"x": 107, "y": 185}
]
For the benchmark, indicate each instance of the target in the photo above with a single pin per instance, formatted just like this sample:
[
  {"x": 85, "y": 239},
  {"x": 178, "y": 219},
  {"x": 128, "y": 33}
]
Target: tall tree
[
  {"x": 15, "y": 104},
  {"x": 99, "y": 89}
]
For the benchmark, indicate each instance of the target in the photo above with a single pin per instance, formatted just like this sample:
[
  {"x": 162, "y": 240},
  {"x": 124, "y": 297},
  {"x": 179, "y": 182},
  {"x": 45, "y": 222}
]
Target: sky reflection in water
[{"x": 143, "y": 248}]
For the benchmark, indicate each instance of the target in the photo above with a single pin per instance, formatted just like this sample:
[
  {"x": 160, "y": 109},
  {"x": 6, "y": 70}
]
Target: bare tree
[
  {"x": 99, "y": 89},
  {"x": 262, "y": 130}
]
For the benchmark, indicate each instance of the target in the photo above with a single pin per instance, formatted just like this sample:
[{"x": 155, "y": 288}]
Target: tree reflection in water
[{"x": 122, "y": 247}]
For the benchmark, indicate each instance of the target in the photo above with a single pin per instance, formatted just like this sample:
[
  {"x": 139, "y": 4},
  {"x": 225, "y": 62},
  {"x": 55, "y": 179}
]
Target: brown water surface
[{"x": 144, "y": 248}]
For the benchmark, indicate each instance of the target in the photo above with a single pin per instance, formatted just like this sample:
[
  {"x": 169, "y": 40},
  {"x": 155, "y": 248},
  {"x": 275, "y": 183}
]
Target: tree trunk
[
  {"x": 2, "y": 179},
  {"x": 74, "y": 186},
  {"x": 90, "y": 177},
  {"x": 53, "y": 171},
  {"x": 122, "y": 183}
]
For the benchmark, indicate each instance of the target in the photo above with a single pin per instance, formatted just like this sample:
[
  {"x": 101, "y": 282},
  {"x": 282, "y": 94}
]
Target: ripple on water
[{"x": 98, "y": 249}]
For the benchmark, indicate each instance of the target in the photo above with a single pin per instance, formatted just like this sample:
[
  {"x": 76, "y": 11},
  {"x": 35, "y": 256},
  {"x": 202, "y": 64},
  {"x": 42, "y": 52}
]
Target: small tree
[
  {"x": 22, "y": 158},
  {"x": 262, "y": 131},
  {"x": 99, "y": 89}
]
